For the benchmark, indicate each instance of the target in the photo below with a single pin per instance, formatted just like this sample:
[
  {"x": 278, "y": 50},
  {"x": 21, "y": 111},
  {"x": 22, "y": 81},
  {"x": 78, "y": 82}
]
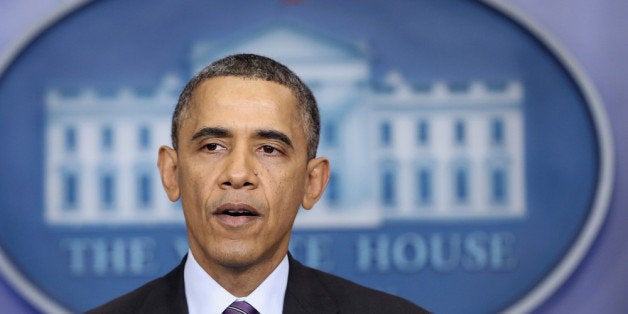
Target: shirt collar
[{"x": 205, "y": 295}]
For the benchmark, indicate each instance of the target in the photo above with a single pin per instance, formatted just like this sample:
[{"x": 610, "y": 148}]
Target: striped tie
[{"x": 240, "y": 307}]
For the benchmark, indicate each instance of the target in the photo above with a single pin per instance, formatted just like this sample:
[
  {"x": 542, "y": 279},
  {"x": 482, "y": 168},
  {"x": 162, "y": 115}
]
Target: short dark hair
[{"x": 256, "y": 67}]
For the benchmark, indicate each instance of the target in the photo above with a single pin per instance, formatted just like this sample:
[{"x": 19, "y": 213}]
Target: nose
[{"x": 239, "y": 171}]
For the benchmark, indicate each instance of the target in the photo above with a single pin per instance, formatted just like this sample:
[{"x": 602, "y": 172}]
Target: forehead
[
  {"x": 243, "y": 102},
  {"x": 242, "y": 94},
  {"x": 243, "y": 87}
]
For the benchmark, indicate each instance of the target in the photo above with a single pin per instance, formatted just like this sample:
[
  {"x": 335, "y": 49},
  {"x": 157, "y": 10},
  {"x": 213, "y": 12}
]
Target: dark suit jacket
[{"x": 308, "y": 291}]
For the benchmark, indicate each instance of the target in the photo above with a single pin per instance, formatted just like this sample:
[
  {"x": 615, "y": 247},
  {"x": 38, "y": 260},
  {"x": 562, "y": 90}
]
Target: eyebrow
[
  {"x": 211, "y": 132},
  {"x": 222, "y": 132},
  {"x": 275, "y": 135}
]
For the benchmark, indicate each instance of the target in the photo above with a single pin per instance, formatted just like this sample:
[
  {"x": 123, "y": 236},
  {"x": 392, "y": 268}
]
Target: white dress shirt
[{"x": 205, "y": 296}]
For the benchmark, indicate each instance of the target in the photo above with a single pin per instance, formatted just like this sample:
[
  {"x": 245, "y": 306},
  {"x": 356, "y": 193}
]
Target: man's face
[{"x": 241, "y": 171}]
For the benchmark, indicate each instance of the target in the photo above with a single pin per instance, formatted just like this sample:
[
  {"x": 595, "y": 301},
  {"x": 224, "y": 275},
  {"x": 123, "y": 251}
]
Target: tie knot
[{"x": 240, "y": 307}]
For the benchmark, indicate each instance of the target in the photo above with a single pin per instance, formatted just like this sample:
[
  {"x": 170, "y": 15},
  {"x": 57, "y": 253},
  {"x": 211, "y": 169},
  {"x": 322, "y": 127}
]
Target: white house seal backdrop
[{"x": 470, "y": 161}]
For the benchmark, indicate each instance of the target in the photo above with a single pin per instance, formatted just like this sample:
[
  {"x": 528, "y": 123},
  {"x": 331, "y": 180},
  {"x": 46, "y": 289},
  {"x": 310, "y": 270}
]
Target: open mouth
[
  {"x": 237, "y": 213},
  {"x": 236, "y": 210}
]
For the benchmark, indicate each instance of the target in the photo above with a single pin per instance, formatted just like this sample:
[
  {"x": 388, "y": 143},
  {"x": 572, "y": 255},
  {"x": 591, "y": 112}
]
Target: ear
[
  {"x": 317, "y": 178},
  {"x": 167, "y": 163}
]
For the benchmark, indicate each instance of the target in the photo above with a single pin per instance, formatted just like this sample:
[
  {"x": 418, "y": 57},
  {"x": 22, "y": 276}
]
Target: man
[{"x": 244, "y": 134}]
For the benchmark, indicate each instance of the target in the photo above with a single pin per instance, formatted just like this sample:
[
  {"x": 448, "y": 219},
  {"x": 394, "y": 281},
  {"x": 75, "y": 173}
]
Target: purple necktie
[{"x": 240, "y": 307}]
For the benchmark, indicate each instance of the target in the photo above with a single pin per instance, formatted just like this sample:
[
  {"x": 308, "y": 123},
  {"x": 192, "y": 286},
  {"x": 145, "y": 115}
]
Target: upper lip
[{"x": 236, "y": 209}]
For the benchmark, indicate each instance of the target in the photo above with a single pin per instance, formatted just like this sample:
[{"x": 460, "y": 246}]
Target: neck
[{"x": 241, "y": 280}]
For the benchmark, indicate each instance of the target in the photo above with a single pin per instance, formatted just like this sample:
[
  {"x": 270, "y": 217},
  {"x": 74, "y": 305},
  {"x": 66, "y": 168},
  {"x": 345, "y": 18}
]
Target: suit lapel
[
  {"x": 305, "y": 293},
  {"x": 168, "y": 295}
]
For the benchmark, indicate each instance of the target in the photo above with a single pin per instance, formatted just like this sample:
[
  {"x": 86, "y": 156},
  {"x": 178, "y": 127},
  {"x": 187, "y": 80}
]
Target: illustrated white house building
[
  {"x": 101, "y": 156},
  {"x": 450, "y": 153},
  {"x": 398, "y": 152}
]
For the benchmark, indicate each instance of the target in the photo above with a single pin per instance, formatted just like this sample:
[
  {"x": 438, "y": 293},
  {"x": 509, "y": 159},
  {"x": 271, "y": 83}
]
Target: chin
[{"x": 237, "y": 257}]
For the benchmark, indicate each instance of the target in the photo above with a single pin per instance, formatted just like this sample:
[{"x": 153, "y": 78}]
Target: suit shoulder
[
  {"x": 354, "y": 295},
  {"x": 161, "y": 295},
  {"x": 127, "y": 303},
  {"x": 351, "y": 297}
]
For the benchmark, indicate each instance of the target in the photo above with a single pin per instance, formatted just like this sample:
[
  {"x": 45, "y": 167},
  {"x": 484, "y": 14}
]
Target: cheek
[
  {"x": 196, "y": 186},
  {"x": 289, "y": 189}
]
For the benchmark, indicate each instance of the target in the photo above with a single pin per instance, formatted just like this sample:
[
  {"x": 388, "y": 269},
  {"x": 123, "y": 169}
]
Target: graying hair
[{"x": 255, "y": 67}]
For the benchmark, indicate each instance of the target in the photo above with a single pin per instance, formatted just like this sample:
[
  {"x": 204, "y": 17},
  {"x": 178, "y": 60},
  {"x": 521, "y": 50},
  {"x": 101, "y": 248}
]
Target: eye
[
  {"x": 267, "y": 149},
  {"x": 213, "y": 147}
]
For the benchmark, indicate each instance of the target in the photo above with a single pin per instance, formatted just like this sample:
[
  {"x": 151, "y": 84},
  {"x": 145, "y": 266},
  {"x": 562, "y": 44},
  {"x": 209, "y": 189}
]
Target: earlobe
[
  {"x": 318, "y": 176},
  {"x": 167, "y": 163}
]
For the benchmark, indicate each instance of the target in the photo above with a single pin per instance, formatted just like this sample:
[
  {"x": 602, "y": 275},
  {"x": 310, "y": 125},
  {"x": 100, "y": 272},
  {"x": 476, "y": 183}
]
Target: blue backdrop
[{"x": 592, "y": 33}]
